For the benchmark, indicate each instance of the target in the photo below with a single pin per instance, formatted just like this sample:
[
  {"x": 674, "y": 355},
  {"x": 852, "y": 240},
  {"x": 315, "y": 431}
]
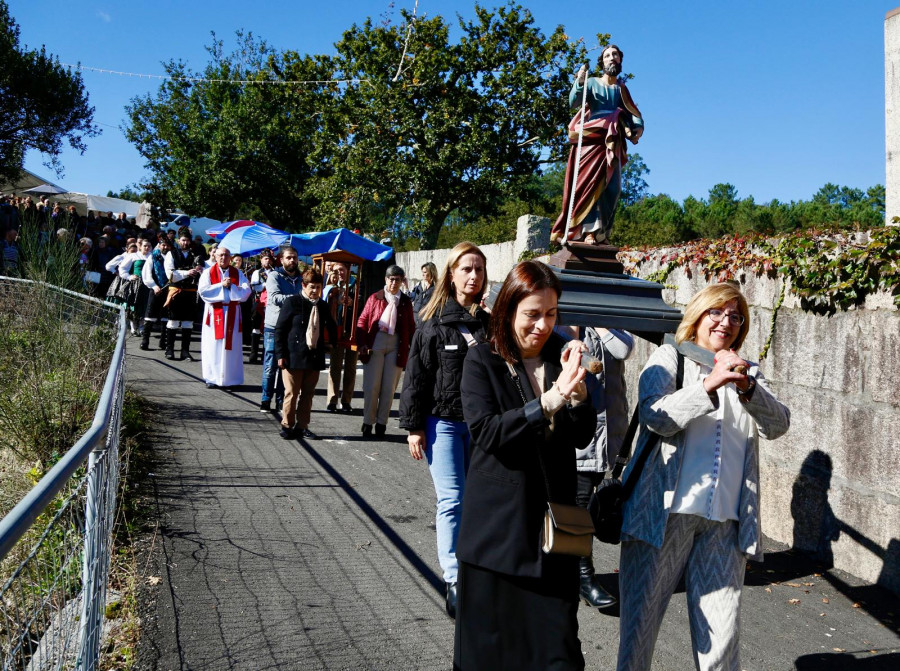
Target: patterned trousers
[{"x": 707, "y": 553}]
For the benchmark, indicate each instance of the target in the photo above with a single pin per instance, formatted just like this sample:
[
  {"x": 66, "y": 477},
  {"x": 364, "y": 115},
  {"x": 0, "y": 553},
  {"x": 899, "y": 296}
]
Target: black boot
[
  {"x": 169, "y": 336},
  {"x": 591, "y": 592},
  {"x": 450, "y": 600},
  {"x": 145, "y": 338},
  {"x": 186, "y": 345},
  {"x": 254, "y": 348}
]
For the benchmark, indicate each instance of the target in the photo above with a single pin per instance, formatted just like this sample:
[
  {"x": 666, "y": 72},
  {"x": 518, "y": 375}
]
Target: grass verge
[{"x": 133, "y": 517}]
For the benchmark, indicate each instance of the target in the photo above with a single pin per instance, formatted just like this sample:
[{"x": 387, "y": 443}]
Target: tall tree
[
  {"x": 634, "y": 186},
  {"x": 239, "y": 140},
  {"x": 436, "y": 125},
  {"x": 30, "y": 116}
]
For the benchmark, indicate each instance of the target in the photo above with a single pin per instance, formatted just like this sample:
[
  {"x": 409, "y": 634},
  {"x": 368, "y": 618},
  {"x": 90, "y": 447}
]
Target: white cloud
[{"x": 106, "y": 18}]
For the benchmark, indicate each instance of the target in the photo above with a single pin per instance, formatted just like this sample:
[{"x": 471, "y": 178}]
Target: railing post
[{"x": 90, "y": 606}]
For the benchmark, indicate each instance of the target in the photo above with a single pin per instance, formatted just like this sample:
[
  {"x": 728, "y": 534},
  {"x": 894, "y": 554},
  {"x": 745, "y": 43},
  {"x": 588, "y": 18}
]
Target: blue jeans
[
  {"x": 271, "y": 380},
  {"x": 447, "y": 453}
]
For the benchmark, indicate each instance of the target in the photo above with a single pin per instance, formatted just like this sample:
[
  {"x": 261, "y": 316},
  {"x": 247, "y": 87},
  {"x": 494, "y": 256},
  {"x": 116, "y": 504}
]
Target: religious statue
[{"x": 609, "y": 116}]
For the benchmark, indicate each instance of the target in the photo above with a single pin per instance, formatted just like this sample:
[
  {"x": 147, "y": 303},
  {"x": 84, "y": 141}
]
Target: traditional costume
[
  {"x": 182, "y": 299},
  {"x": 221, "y": 350},
  {"x": 130, "y": 270},
  {"x": 154, "y": 277}
]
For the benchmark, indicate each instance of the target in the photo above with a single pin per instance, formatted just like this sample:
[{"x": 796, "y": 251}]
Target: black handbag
[{"x": 607, "y": 502}]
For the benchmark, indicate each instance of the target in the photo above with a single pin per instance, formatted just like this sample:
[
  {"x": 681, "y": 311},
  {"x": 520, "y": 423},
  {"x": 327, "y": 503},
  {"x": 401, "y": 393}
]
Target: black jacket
[
  {"x": 420, "y": 298},
  {"x": 290, "y": 334},
  {"x": 505, "y": 496},
  {"x": 435, "y": 365}
]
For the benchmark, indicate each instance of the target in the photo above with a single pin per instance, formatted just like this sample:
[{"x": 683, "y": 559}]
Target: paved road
[{"x": 320, "y": 554}]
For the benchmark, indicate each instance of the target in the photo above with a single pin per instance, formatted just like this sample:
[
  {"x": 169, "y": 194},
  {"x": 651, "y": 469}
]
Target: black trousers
[
  {"x": 585, "y": 484},
  {"x": 183, "y": 307},
  {"x": 155, "y": 305}
]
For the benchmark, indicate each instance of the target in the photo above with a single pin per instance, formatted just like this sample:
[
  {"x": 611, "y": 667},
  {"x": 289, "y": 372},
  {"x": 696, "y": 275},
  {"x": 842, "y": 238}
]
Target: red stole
[{"x": 222, "y": 329}]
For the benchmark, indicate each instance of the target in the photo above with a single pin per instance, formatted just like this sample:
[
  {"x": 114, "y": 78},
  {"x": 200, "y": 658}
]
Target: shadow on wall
[{"x": 816, "y": 527}]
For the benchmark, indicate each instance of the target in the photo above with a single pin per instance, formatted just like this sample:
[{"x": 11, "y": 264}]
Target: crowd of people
[
  {"x": 496, "y": 400},
  {"x": 498, "y": 403}
]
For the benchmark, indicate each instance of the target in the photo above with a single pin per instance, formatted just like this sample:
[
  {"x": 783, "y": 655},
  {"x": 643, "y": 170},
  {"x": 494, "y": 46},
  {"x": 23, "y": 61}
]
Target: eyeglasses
[
  {"x": 394, "y": 279},
  {"x": 718, "y": 315}
]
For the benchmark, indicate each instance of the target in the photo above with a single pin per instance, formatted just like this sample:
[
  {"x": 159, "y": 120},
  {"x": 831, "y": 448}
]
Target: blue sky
[{"x": 777, "y": 98}]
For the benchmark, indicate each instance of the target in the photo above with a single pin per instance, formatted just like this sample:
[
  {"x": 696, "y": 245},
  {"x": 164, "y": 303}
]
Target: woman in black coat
[
  {"x": 430, "y": 404},
  {"x": 523, "y": 397},
  {"x": 300, "y": 346}
]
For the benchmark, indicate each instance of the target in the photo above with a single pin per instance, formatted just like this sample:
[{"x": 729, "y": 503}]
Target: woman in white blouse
[
  {"x": 130, "y": 269},
  {"x": 694, "y": 511}
]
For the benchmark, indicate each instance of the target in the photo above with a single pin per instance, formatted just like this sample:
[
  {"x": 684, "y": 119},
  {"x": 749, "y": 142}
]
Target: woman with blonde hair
[
  {"x": 430, "y": 403},
  {"x": 694, "y": 510},
  {"x": 424, "y": 290}
]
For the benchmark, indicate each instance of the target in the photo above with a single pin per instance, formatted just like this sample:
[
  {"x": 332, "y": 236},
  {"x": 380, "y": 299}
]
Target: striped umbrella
[{"x": 227, "y": 226}]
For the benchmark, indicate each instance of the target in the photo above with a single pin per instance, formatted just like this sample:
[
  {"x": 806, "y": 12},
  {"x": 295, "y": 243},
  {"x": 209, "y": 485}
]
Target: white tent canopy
[
  {"x": 27, "y": 180},
  {"x": 84, "y": 202}
]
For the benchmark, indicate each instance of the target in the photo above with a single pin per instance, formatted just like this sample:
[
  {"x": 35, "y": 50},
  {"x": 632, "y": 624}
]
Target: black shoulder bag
[{"x": 608, "y": 500}]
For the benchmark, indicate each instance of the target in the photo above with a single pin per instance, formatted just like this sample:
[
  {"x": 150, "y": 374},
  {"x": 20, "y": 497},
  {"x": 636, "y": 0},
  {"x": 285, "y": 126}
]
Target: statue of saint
[{"x": 610, "y": 116}]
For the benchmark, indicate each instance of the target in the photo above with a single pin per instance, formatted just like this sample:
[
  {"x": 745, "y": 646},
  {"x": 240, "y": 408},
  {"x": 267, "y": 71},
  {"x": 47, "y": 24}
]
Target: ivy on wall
[{"x": 827, "y": 270}]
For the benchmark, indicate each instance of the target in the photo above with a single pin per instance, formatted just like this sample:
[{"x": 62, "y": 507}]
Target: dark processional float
[{"x": 596, "y": 291}]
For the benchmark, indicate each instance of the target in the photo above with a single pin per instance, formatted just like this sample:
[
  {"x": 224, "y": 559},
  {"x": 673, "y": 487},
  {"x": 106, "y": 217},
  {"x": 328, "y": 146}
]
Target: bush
[{"x": 57, "y": 351}]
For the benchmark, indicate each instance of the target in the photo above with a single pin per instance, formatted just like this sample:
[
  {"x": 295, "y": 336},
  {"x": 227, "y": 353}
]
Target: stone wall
[
  {"x": 532, "y": 234},
  {"x": 831, "y": 485}
]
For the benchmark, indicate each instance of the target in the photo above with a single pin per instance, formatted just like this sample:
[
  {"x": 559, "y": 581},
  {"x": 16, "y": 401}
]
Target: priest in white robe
[{"x": 222, "y": 288}]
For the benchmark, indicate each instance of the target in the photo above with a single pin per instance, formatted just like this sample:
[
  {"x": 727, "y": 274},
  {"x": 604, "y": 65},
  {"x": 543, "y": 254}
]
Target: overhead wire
[
  {"x": 279, "y": 82},
  {"x": 204, "y": 80}
]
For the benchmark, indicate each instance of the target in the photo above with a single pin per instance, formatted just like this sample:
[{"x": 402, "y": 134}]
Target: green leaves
[
  {"x": 455, "y": 129},
  {"x": 828, "y": 271},
  {"x": 29, "y": 117},
  {"x": 225, "y": 148}
]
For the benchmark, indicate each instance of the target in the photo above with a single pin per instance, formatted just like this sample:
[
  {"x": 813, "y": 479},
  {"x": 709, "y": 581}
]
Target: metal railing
[{"x": 55, "y": 544}]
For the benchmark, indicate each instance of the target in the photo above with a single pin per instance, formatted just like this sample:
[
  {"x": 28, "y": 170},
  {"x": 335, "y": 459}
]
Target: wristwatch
[{"x": 745, "y": 394}]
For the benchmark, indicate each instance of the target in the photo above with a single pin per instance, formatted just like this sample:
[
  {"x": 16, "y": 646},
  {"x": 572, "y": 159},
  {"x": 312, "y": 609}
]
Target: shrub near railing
[
  {"x": 55, "y": 357},
  {"x": 58, "y": 349},
  {"x": 53, "y": 367}
]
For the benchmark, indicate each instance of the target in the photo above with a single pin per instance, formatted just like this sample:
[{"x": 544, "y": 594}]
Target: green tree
[
  {"x": 435, "y": 125},
  {"x": 42, "y": 103},
  {"x": 634, "y": 186},
  {"x": 875, "y": 196},
  {"x": 223, "y": 148},
  {"x": 654, "y": 220},
  {"x": 127, "y": 194}
]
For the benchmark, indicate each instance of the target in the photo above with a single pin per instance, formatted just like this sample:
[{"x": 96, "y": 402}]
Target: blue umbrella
[
  {"x": 252, "y": 239},
  {"x": 310, "y": 244}
]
